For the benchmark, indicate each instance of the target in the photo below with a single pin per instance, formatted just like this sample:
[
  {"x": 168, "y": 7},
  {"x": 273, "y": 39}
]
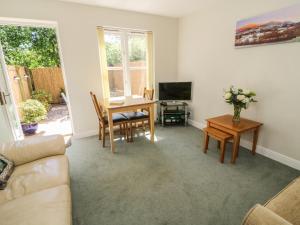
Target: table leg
[
  {"x": 206, "y": 141},
  {"x": 111, "y": 131},
  {"x": 185, "y": 116},
  {"x": 151, "y": 115},
  {"x": 236, "y": 145},
  {"x": 255, "y": 138},
  {"x": 162, "y": 115}
]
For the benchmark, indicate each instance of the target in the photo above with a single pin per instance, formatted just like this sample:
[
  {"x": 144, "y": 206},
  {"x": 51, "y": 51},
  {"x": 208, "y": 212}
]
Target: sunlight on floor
[
  {"x": 140, "y": 133},
  {"x": 58, "y": 122},
  {"x": 62, "y": 127},
  {"x": 156, "y": 138}
]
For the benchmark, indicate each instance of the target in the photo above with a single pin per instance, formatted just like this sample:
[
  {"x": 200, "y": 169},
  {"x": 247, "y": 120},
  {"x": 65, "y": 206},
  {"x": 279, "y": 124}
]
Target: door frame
[{"x": 46, "y": 24}]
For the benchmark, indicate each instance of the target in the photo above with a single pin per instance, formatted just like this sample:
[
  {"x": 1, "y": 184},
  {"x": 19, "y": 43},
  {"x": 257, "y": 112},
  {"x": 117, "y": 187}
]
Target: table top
[
  {"x": 125, "y": 102},
  {"x": 226, "y": 121}
]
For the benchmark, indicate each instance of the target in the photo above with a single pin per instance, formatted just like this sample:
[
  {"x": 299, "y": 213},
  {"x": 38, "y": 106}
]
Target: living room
[{"x": 155, "y": 174}]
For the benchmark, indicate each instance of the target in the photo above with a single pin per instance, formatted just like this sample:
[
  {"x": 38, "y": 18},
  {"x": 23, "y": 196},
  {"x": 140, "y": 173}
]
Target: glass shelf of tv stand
[
  {"x": 173, "y": 103},
  {"x": 177, "y": 111}
]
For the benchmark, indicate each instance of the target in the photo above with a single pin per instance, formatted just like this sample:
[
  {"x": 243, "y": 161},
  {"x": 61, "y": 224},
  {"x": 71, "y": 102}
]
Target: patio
[{"x": 57, "y": 122}]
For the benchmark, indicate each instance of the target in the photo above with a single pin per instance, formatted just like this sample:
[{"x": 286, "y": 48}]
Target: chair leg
[
  {"x": 219, "y": 144},
  {"x": 121, "y": 129},
  {"x": 100, "y": 129},
  {"x": 103, "y": 136},
  {"x": 223, "y": 146},
  {"x": 126, "y": 132},
  {"x": 206, "y": 140},
  {"x": 131, "y": 132},
  {"x": 149, "y": 124}
]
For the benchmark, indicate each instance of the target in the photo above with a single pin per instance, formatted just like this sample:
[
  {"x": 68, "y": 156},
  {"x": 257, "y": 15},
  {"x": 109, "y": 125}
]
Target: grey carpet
[{"x": 171, "y": 182}]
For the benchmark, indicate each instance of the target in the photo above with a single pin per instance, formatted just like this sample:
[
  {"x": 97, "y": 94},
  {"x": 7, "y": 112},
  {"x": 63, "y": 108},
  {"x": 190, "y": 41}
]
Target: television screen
[{"x": 175, "y": 91}]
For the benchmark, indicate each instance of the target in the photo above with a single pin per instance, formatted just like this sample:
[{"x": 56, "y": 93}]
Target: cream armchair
[
  {"x": 38, "y": 191},
  {"x": 282, "y": 209}
]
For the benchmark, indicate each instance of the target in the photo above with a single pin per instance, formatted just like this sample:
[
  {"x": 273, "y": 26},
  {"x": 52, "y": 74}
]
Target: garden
[{"x": 35, "y": 76}]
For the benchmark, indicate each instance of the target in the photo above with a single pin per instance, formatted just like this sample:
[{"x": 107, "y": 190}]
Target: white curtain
[
  {"x": 150, "y": 64},
  {"x": 103, "y": 62}
]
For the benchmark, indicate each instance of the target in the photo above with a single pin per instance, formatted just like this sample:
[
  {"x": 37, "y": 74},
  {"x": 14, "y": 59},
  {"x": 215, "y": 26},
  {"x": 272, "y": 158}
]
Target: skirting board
[
  {"x": 260, "y": 149},
  {"x": 85, "y": 134}
]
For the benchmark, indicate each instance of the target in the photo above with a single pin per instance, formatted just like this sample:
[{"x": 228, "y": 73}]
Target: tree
[
  {"x": 113, "y": 54},
  {"x": 30, "y": 47},
  {"x": 136, "y": 46}
]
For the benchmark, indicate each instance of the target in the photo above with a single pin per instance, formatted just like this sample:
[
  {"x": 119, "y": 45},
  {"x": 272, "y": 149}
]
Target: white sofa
[{"x": 38, "y": 191}]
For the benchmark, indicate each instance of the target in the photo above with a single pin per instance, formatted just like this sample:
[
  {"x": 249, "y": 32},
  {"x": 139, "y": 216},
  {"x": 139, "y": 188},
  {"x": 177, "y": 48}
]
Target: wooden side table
[{"x": 224, "y": 123}]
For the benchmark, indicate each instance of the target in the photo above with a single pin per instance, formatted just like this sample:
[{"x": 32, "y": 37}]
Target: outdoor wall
[
  {"x": 208, "y": 58},
  {"x": 77, "y": 31}
]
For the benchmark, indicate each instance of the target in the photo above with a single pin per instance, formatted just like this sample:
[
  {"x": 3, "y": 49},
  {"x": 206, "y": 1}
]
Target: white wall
[
  {"x": 207, "y": 57},
  {"x": 77, "y": 31}
]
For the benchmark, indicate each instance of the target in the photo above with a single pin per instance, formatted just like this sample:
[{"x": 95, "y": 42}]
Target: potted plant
[
  {"x": 240, "y": 99},
  {"x": 44, "y": 97},
  {"x": 32, "y": 111}
]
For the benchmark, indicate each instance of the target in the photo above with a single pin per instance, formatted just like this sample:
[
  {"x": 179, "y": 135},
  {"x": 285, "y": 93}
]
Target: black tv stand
[{"x": 175, "y": 112}]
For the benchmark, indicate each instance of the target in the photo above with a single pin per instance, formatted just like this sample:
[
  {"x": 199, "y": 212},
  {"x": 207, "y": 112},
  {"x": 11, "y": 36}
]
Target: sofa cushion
[
  {"x": 30, "y": 149},
  {"x": 116, "y": 117},
  {"x": 135, "y": 115},
  {"x": 287, "y": 202},
  {"x": 36, "y": 176},
  {"x": 47, "y": 207},
  {"x": 260, "y": 215},
  {"x": 6, "y": 169}
]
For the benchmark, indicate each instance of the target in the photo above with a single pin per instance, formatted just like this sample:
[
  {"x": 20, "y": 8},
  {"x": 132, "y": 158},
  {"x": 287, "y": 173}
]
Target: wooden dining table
[{"x": 127, "y": 104}]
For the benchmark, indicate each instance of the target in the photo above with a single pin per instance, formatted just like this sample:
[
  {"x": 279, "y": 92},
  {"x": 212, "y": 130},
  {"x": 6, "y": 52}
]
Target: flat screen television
[{"x": 175, "y": 91}]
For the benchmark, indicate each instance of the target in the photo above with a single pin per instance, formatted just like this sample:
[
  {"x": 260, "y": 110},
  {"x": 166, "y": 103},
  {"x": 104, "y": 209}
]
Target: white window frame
[{"x": 125, "y": 34}]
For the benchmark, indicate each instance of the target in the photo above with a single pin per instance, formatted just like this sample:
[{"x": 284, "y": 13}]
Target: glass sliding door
[
  {"x": 9, "y": 120},
  {"x": 5, "y": 129}
]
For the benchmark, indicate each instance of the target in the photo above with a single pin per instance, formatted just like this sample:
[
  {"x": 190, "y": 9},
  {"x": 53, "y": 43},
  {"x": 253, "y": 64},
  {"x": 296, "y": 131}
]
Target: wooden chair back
[
  {"x": 98, "y": 107},
  {"x": 148, "y": 94}
]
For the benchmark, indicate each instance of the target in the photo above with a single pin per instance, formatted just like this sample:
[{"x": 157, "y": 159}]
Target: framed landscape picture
[{"x": 274, "y": 27}]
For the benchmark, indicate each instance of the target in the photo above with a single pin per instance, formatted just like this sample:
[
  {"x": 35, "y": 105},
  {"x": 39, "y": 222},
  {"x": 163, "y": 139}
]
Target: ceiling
[{"x": 171, "y": 8}]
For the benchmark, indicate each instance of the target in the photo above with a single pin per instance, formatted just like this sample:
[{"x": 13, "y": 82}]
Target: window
[
  {"x": 126, "y": 54},
  {"x": 113, "y": 47}
]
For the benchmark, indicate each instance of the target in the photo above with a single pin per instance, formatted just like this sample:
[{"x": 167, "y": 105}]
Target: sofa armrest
[
  {"x": 260, "y": 215},
  {"x": 34, "y": 148}
]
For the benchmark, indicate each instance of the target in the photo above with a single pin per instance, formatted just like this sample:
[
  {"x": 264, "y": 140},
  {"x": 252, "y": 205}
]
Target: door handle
[{"x": 2, "y": 98}]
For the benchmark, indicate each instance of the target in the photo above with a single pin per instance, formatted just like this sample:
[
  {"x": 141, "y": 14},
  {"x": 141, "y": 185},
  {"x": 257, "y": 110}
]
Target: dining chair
[
  {"x": 118, "y": 119},
  {"x": 139, "y": 117},
  {"x": 148, "y": 93}
]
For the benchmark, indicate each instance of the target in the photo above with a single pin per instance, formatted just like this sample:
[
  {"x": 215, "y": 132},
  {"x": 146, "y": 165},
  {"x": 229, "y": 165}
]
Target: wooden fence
[
  {"x": 50, "y": 80},
  {"x": 20, "y": 83}
]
